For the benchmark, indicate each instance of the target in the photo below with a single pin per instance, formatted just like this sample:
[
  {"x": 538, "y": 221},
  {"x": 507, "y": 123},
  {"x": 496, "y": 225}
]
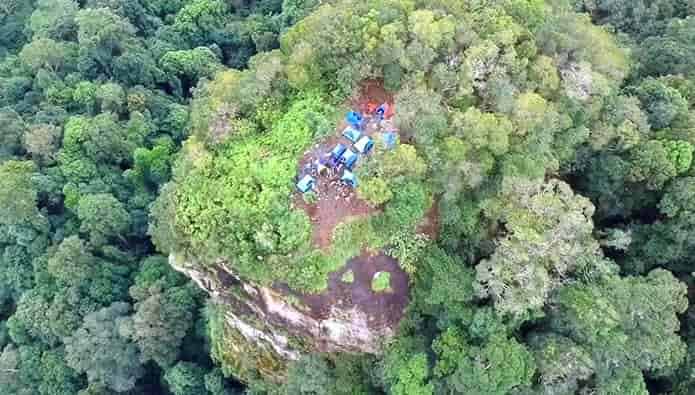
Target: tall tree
[
  {"x": 103, "y": 217},
  {"x": 625, "y": 324},
  {"x": 548, "y": 242},
  {"x": 98, "y": 350}
]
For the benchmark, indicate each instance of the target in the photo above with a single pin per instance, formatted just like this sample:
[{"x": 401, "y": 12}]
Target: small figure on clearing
[{"x": 384, "y": 111}]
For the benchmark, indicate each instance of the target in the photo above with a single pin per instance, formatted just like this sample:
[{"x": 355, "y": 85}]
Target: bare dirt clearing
[
  {"x": 336, "y": 203},
  {"x": 371, "y": 91}
]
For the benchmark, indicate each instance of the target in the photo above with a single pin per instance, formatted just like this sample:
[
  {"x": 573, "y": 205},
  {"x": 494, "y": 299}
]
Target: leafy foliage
[
  {"x": 560, "y": 169},
  {"x": 550, "y": 240},
  {"x": 94, "y": 105},
  {"x": 98, "y": 350},
  {"x": 381, "y": 282}
]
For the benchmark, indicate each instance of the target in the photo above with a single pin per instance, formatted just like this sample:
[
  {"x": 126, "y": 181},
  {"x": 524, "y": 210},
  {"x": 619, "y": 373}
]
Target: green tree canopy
[{"x": 98, "y": 350}]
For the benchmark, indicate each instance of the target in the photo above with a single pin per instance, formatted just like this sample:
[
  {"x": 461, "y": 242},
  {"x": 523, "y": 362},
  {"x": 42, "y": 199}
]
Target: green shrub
[
  {"x": 348, "y": 277},
  {"x": 375, "y": 190},
  {"x": 310, "y": 197},
  {"x": 381, "y": 282}
]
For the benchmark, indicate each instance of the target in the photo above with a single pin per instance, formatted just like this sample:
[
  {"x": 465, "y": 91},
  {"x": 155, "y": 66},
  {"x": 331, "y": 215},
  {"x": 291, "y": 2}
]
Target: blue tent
[
  {"x": 306, "y": 184},
  {"x": 389, "y": 140},
  {"x": 349, "y": 158},
  {"x": 351, "y": 133},
  {"x": 338, "y": 151},
  {"x": 349, "y": 178},
  {"x": 364, "y": 144},
  {"x": 355, "y": 119}
]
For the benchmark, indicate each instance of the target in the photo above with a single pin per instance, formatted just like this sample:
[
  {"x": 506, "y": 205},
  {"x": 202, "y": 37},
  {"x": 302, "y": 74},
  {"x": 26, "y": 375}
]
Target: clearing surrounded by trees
[{"x": 334, "y": 203}]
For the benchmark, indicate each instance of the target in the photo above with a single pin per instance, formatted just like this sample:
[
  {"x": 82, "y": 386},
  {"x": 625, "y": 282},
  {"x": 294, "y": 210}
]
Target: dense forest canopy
[
  {"x": 555, "y": 139},
  {"x": 94, "y": 105}
]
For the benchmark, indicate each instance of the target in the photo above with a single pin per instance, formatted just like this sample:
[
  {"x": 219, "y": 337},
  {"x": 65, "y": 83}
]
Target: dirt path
[{"x": 429, "y": 225}]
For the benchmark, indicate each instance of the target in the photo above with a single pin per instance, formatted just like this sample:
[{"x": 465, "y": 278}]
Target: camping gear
[
  {"x": 364, "y": 144},
  {"x": 338, "y": 151},
  {"x": 349, "y": 178},
  {"x": 332, "y": 162},
  {"x": 351, "y": 134},
  {"x": 306, "y": 184},
  {"x": 322, "y": 167},
  {"x": 349, "y": 159},
  {"x": 389, "y": 139},
  {"x": 354, "y": 119},
  {"x": 384, "y": 111}
]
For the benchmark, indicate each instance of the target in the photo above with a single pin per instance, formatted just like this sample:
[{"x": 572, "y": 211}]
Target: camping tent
[
  {"x": 306, "y": 184},
  {"x": 338, "y": 151},
  {"x": 355, "y": 119},
  {"x": 351, "y": 133},
  {"x": 364, "y": 144},
  {"x": 349, "y": 158},
  {"x": 349, "y": 178}
]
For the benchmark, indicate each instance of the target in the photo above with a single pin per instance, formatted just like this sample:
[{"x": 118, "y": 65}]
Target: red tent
[{"x": 389, "y": 111}]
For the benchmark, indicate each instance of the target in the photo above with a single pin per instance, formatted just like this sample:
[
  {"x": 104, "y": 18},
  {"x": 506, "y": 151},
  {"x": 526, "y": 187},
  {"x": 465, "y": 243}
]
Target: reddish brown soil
[
  {"x": 335, "y": 202},
  {"x": 382, "y": 308},
  {"x": 371, "y": 91}
]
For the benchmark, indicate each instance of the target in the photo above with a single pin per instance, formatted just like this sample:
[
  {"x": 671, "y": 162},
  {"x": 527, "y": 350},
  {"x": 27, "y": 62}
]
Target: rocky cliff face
[{"x": 265, "y": 327}]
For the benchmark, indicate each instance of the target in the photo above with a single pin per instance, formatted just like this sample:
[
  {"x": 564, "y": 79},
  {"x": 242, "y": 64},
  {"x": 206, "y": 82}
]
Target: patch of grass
[
  {"x": 381, "y": 282},
  {"x": 348, "y": 277},
  {"x": 310, "y": 197}
]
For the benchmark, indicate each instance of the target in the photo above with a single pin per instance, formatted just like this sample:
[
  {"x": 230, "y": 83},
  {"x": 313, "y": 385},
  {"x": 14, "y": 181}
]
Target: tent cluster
[{"x": 346, "y": 157}]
